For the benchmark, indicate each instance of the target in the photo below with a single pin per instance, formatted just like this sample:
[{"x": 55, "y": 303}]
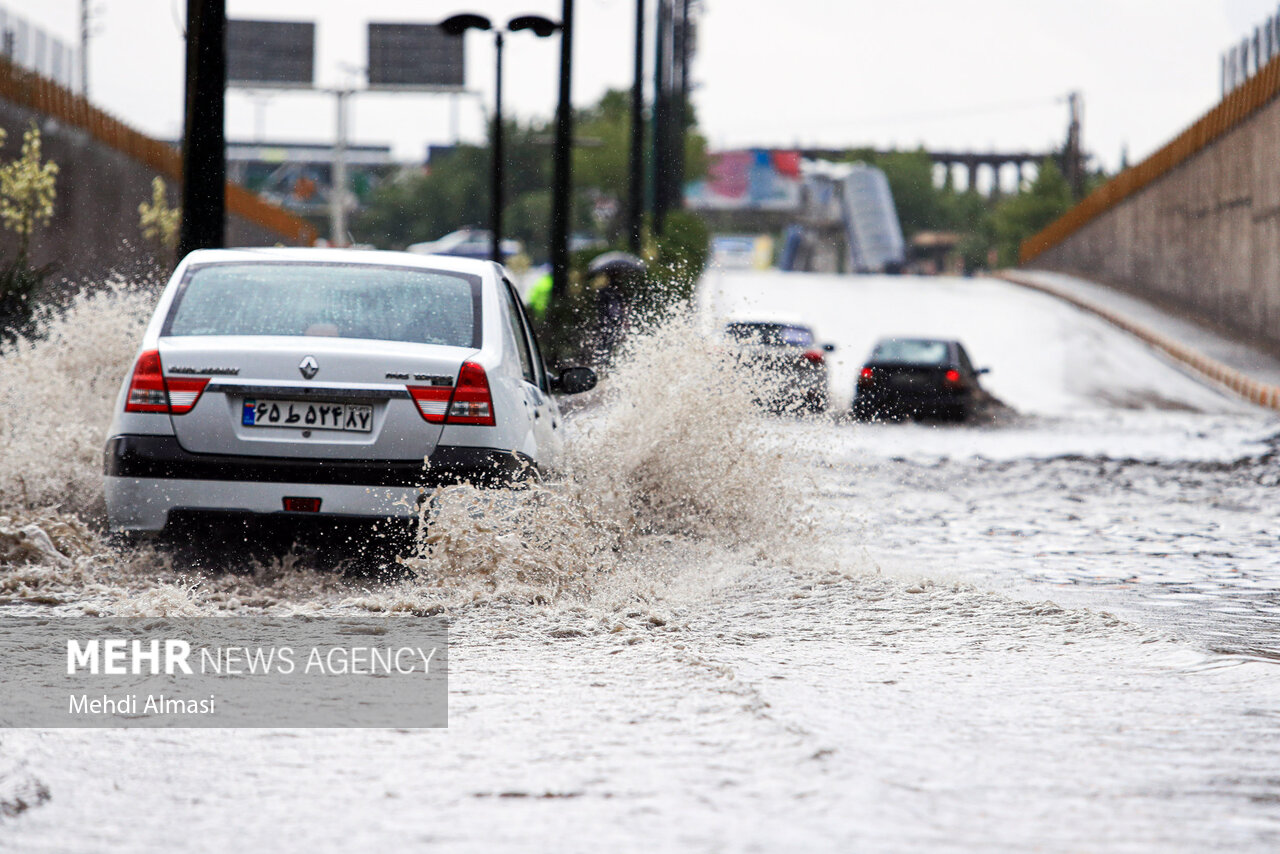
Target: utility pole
[
  {"x": 204, "y": 152},
  {"x": 84, "y": 49},
  {"x": 1073, "y": 154},
  {"x": 338, "y": 176},
  {"x": 661, "y": 104},
  {"x": 496, "y": 152},
  {"x": 561, "y": 185},
  {"x": 675, "y": 196},
  {"x": 635, "y": 190}
]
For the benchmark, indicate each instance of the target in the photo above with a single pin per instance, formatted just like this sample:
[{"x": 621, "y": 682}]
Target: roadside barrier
[
  {"x": 1236, "y": 108},
  {"x": 37, "y": 93},
  {"x": 1260, "y": 393}
]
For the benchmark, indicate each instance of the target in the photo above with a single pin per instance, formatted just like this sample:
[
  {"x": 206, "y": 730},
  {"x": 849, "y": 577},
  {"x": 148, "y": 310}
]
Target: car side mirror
[
  {"x": 828, "y": 348},
  {"x": 983, "y": 371},
  {"x": 574, "y": 381}
]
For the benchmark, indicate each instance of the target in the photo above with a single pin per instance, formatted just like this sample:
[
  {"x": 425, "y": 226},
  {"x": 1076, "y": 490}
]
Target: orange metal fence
[
  {"x": 44, "y": 96},
  {"x": 1234, "y": 109}
]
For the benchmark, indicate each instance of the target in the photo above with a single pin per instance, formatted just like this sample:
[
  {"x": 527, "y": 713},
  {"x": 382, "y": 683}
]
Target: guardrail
[
  {"x": 1233, "y": 110},
  {"x": 42, "y": 95}
]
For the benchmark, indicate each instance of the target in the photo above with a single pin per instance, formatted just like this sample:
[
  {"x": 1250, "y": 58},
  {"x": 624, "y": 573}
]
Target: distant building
[
  {"x": 299, "y": 175},
  {"x": 834, "y": 217},
  {"x": 35, "y": 49}
]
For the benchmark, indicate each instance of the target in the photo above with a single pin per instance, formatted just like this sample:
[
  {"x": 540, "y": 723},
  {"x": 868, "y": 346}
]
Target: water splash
[
  {"x": 676, "y": 452},
  {"x": 673, "y": 457}
]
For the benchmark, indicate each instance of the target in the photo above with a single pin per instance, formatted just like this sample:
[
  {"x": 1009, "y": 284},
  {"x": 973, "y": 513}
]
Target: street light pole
[
  {"x": 560, "y": 186},
  {"x": 661, "y": 102},
  {"x": 338, "y": 178},
  {"x": 635, "y": 190},
  {"x": 456, "y": 25},
  {"x": 495, "y": 188},
  {"x": 204, "y": 155}
]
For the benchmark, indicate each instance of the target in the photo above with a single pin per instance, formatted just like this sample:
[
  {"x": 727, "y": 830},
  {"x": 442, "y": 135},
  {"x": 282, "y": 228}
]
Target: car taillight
[
  {"x": 150, "y": 391},
  {"x": 432, "y": 401},
  {"x": 471, "y": 403},
  {"x": 814, "y": 357},
  {"x": 953, "y": 377},
  {"x": 866, "y": 377}
]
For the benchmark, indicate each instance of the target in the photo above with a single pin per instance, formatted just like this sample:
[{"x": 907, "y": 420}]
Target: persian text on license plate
[{"x": 307, "y": 416}]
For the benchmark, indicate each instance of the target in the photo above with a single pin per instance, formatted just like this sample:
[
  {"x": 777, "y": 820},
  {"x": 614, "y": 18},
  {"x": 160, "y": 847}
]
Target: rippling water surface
[{"x": 723, "y": 631}]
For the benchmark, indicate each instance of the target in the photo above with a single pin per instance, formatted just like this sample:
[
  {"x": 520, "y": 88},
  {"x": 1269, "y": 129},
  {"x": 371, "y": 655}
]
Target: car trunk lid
[{"x": 308, "y": 397}]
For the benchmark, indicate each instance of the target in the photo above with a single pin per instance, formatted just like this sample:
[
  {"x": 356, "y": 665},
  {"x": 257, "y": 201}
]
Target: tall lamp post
[
  {"x": 542, "y": 28},
  {"x": 204, "y": 156}
]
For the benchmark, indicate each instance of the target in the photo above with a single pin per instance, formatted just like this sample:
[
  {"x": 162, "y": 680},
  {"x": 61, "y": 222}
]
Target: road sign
[
  {"x": 271, "y": 54},
  {"x": 415, "y": 56}
]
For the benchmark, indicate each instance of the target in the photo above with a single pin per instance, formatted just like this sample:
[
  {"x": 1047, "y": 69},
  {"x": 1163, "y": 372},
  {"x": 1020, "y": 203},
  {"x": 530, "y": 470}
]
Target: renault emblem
[{"x": 309, "y": 367}]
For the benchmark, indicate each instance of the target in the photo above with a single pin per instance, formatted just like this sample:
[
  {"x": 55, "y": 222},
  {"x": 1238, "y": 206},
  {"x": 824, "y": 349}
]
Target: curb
[{"x": 1259, "y": 393}]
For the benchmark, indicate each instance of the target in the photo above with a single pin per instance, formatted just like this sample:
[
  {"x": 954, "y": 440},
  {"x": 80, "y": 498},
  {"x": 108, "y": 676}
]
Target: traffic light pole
[{"x": 204, "y": 154}]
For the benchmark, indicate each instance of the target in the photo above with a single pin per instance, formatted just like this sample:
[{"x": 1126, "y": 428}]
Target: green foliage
[
  {"x": 454, "y": 192},
  {"x": 983, "y": 223},
  {"x": 1018, "y": 217},
  {"x": 679, "y": 258},
  {"x": 160, "y": 223},
  {"x": 921, "y": 206},
  {"x": 28, "y": 187},
  {"x": 18, "y": 284}
]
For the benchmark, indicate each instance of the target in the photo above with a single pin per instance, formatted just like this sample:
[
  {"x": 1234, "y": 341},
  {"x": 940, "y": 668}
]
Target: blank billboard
[
  {"x": 271, "y": 53},
  {"x": 414, "y": 56}
]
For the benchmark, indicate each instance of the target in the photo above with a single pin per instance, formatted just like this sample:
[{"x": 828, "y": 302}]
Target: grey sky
[{"x": 973, "y": 74}]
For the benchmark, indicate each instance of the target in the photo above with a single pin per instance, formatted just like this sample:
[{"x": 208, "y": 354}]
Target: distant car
[
  {"x": 920, "y": 378},
  {"x": 741, "y": 251},
  {"x": 792, "y": 366},
  {"x": 317, "y": 382},
  {"x": 467, "y": 243}
]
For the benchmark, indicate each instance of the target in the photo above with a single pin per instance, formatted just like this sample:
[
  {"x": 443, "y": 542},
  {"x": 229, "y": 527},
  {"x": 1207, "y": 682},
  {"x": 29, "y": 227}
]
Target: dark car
[
  {"x": 918, "y": 378},
  {"x": 791, "y": 368}
]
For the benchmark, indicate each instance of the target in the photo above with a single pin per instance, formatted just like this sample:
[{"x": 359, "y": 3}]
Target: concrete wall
[
  {"x": 1204, "y": 237},
  {"x": 94, "y": 230}
]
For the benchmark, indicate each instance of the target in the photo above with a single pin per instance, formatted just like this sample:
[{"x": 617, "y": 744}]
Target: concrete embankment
[
  {"x": 1195, "y": 226},
  {"x": 1242, "y": 369},
  {"x": 105, "y": 169}
]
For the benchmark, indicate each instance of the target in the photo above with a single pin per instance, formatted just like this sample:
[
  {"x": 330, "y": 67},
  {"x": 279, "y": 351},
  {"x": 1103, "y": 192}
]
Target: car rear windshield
[
  {"x": 383, "y": 303},
  {"x": 905, "y": 351},
  {"x": 772, "y": 334}
]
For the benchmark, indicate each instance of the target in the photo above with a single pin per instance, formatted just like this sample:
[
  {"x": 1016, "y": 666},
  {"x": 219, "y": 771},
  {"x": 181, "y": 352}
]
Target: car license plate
[{"x": 356, "y": 418}]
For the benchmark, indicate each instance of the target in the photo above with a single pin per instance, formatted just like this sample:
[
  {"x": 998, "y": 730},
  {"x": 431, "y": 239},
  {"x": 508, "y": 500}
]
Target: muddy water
[{"x": 727, "y": 632}]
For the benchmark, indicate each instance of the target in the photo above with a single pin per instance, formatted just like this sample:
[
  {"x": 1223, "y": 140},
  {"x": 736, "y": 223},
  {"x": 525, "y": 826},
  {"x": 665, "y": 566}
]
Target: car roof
[
  {"x": 947, "y": 341},
  {"x": 766, "y": 321},
  {"x": 330, "y": 255}
]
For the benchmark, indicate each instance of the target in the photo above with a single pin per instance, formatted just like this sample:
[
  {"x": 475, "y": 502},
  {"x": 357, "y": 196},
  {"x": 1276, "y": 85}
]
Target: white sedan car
[{"x": 331, "y": 382}]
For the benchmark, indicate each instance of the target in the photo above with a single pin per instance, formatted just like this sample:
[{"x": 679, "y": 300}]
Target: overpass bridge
[{"x": 968, "y": 163}]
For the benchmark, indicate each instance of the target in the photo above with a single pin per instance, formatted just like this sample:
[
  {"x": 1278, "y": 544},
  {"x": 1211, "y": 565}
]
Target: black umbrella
[{"x": 616, "y": 263}]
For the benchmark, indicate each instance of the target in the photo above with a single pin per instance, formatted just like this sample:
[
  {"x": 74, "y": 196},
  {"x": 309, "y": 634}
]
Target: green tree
[
  {"x": 454, "y": 192},
  {"x": 1018, "y": 217},
  {"x": 921, "y": 205},
  {"x": 28, "y": 187}
]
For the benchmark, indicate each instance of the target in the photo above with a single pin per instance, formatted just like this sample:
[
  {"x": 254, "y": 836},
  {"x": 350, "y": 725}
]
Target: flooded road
[{"x": 1052, "y": 632}]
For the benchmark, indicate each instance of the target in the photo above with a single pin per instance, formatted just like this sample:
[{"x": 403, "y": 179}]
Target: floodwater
[{"x": 1053, "y": 631}]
